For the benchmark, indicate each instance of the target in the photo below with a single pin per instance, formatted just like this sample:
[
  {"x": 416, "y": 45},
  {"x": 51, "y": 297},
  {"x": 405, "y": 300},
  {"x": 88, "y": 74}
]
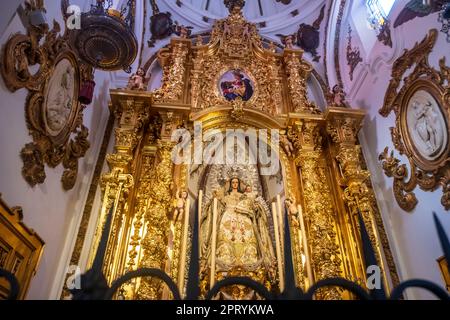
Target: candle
[
  {"x": 277, "y": 243},
  {"x": 305, "y": 245},
  {"x": 213, "y": 244},
  {"x": 280, "y": 223},
  {"x": 165, "y": 294},
  {"x": 200, "y": 203},
  {"x": 183, "y": 247}
]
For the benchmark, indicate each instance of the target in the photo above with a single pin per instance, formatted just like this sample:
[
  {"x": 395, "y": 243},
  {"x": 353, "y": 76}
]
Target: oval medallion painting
[
  {"x": 427, "y": 127},
  {"x": 60, "y": 97},
  {"x": 236, "y": 84}
]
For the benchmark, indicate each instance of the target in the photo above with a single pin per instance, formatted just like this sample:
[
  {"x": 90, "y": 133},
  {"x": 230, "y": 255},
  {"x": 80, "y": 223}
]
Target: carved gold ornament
[
  {"x": 321, "y": 171},
  {"x": 211, "y": 72},
  {"x": 53, "y": 114},
  {"x": 421, "y": 131}
]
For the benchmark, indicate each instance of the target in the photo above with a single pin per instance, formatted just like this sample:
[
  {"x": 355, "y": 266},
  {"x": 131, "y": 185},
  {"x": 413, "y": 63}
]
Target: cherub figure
[
  {"x": 272, "y": 47},
  {"x": 246, "y": 32},
  {"x": 288, "y": 41},
  {"x": 180, "y": 204},
  {"x": 338, "y": 97},
  {"x": 199, "y": 40},
  {"x": 182, "y": 31},
  {"x": 287, "y": 145},
  {"x": 249, "y": 192},
  {"x": 292, "y": 210},
  {"x": 138, "y": 81}
]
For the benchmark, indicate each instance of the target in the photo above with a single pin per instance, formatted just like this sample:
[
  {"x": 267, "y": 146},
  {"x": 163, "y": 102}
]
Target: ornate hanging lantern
[{"x": 106, "y": 40}]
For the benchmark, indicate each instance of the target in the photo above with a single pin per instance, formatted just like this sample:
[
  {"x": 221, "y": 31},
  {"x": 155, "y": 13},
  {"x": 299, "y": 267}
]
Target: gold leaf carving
[{"x": 45, "y": 48}]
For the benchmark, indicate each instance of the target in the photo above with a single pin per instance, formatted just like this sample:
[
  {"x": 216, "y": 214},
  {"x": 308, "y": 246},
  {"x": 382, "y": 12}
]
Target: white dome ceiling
[{"x": 253, "y": 10}]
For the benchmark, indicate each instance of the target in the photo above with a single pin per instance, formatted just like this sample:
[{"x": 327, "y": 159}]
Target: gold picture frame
[
  {"x": 21, "y": 249},
  {"x": 59, "y": 136},
  {"x": 443, "y": 266},
  {"x": 422, "y": 129},
  {"x": 428, "y": 90}
]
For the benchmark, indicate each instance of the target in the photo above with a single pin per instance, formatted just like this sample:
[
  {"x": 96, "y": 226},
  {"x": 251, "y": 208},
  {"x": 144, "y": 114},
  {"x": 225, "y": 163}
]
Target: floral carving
[
  {"x": 54, "y": 116},
  {"x": 353, "y": 55}
]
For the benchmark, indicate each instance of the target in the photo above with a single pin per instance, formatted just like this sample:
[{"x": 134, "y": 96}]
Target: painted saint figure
[{"x": 239, "y": 87}]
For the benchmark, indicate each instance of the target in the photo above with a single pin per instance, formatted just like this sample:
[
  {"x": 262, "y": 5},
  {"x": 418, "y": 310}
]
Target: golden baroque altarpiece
[{"x": 321, "y": 169}]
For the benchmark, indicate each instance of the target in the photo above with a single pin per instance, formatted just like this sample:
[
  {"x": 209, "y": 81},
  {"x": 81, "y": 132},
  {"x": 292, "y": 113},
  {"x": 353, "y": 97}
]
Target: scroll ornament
[
  {"x": 53, "y": 113},
  {"x": 421, "y": 131}
]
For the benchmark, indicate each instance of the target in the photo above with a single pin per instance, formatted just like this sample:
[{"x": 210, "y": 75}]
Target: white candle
[
  {"x": 213, "y": 245},
  {"x": 277, "y": 243},
  {"x": 200, "y": 203},
  {"x": 183, "y": 247},
  {"x": 305, "y": 245},
  {"x": 280, "y": 223},
  {"x": 165, "y": 294}
]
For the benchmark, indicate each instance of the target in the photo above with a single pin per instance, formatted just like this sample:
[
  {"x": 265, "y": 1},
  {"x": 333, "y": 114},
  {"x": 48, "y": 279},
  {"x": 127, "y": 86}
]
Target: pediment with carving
[{"x": 233, "y": 67}]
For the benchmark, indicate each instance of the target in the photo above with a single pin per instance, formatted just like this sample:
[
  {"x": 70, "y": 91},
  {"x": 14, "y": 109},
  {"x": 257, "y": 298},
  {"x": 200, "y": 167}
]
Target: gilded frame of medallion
[
  {"x": 428, "y": 174},
  {"x": 445, "y": 271},
  {"x": 36, "y": 113},
  {"x": 44, "y": 48},
  {"x": 411, "y": 151}
]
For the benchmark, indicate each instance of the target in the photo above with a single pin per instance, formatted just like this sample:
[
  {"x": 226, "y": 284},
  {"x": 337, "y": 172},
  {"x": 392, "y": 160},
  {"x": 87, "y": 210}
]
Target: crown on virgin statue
[{"x": 236, "y": 172}]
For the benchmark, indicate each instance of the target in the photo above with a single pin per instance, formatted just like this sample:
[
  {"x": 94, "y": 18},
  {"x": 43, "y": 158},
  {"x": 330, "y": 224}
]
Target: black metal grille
[{"x": 95, "y": 287}]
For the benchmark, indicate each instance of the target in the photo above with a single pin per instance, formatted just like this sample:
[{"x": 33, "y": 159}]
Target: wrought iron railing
[{"x": 94, "y": 285}]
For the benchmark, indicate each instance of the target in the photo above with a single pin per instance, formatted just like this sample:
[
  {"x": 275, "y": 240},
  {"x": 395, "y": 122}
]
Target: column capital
[
  {"x": 344, "y": 124},
  {"x": 305, "y": 135}
]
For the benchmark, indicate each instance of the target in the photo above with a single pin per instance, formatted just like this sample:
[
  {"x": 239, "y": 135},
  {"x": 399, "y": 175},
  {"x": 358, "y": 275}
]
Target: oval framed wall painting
[
  {"x": 426, "y": 125},
  {"x": 61, "y": 98}
]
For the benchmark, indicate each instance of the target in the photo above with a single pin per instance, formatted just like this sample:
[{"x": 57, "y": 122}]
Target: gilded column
[
  {"x": 276, "y": 96},
  {"x": 343, "y": 127},
  {"x": 319, "y": 212},
  {"x": 173, "y": 61},
  {"x": 131, "y": 117},
  {"x": 115, "y": 188},
  {"x": 298, "y": 72},
  {"x": 197, "y": 67},
  {"x": 156, "y": 219},
  {"x": 140, "y": 208}
]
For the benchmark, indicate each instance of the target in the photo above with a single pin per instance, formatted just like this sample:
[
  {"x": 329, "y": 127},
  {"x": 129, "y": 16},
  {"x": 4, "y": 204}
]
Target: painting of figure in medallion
[{"x": 236, "y": 84}]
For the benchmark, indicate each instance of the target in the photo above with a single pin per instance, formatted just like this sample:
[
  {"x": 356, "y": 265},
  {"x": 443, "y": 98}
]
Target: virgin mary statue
[{"x": 243, "y": 240}]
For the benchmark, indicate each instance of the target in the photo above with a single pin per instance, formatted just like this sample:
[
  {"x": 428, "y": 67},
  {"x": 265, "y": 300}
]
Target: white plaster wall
[
  {"x": 7, "y": 12},
  {"x": 412, "y": 235},
  {"x": 53, "y": 213}
]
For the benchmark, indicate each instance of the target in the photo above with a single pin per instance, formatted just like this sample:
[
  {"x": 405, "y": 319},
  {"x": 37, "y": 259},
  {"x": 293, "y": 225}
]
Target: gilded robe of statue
[{"x": 243, "y": 238}]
